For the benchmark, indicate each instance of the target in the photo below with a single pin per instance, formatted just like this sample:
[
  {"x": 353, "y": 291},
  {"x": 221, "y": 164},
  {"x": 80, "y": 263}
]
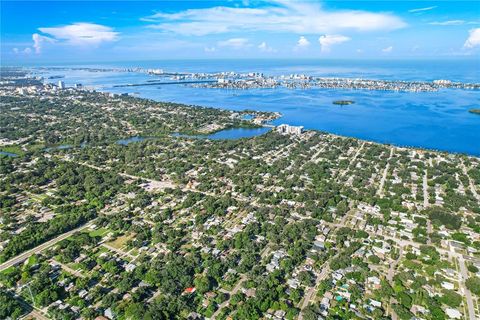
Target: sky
[{"x": 35, "y": 32}]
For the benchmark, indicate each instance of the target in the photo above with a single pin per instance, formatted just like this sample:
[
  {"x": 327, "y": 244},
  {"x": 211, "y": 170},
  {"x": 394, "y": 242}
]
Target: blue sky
[{"x": 70, "y": 31}]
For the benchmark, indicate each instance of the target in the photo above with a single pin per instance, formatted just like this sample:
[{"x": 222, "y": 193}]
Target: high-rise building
[
  {"x": 61, "y": 85},
  {"x": 286, "y": 129}
]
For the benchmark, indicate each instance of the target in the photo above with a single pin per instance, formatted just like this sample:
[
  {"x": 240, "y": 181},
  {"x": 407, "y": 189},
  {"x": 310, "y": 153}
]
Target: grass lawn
[
  {"x": 75, "y": 266},
  {"x": 37, "y": 197},
  {"x": 35, "y": 146},
  {"x": 100, "y": 232},
  {"x": 120, "y": 241},
  {"x": 101, "y": 250},
  {"x": 31, "y": 260},
  {"x": 8, "y": 271},
  {"x": 13, "y": 149}
]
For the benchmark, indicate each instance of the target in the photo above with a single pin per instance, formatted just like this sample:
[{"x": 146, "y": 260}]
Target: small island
[
  {"x": 476, "y": 111},
  {"x": 343, "y": 102}
]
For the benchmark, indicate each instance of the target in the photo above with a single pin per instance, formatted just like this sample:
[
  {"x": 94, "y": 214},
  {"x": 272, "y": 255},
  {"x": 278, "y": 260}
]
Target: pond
[
  {"x": 8, "y": 154},
  {"x": 127, "y": 141},
  {"x": 229, "y": 134},
  {"x": 61, "y": 147}
]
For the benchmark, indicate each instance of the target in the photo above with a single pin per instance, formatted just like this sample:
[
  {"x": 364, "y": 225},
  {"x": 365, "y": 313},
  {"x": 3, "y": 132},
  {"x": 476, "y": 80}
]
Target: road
[
  {"x": 354, "y": 158},
  {"x": 470, "y": 182},
  {"x": 166, "y": 183},
  {"x": 308, "y": 296},
  {"x": 237, "y": 287},
  {"x": 120, "y": 252},
  {"x": 391, "y": 269},
  {"x": 24, "y": 256},
  {"x": 468, "y": 294},
  {"x": 33, "y": 313},
  {"x": 68, "y": 269},
  {"x": 384, "y": 175},
  {"x": 426, "y": 204},
  {"x": 425, "y": 190},
  {"x": 323, "y": 274}
]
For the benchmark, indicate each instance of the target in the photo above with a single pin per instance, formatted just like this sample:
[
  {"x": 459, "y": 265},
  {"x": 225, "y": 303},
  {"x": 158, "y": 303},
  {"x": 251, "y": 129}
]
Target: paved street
[
  {"x": 24, "y": 256},
  {"x": 468, "y": 294}
]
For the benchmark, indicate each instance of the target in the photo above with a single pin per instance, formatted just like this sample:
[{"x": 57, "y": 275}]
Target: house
[
  {"x": 375, "y": 303},
  {"x": 448, "y": 285},
  {"x": 83, "y": 293},
  {"x": 325, "y": 303},
  {"x": 130, "y": 267},
  {"x": 109, "y": 314},
  {"x": 280, "y": 314},
  {"x": 318, "y": 245},
  {"x": 374, "y": 282},
  {"x": 453, "y": 313},
  {"x": 419, "y": 309},
  {"x": 190, "y": 290},
  {"x": 293, "y": 283}
]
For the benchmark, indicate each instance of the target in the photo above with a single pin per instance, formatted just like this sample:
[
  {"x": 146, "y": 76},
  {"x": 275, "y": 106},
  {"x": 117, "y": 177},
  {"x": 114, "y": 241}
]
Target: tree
[
  {"x": 451, "y": 298},
  {"x": 135, "y": 311},
  {"x": 473, "y": 284},
  {"x": 374, "y": 259},
  {"x": 203, "y": 284},
  {"x": 306, "y": 278},
  {"x": 472, "y": 268},
  {"x": 9, "y": 307}
]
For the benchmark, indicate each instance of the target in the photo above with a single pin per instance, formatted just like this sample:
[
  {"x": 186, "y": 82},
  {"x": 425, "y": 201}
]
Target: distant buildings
[
  {"x": 223, "y": 80},
  {"x": 286, "y": 129},
  {"x": 155, "y": 71},
  {"x": 61, "y": 85}
]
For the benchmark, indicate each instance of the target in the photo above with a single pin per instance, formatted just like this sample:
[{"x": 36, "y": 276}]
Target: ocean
[{"x": 432, "y": 120}]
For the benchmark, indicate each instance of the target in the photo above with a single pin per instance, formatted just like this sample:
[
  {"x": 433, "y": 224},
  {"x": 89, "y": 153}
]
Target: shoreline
[{"x": 247, "y": 109}]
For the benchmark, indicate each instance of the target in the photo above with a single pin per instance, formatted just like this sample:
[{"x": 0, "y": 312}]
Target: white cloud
[
  {"x": 82, "y": 34},
  {"x": 264, "y": 47},
  {"x": 280, "y": 16},
  {"x": 473, "y": 39},
  {"x": 209, "y": 49},
  {"x": 235, "y": 43},
  {"x": 448, "y": 23},
  {"x": 302, "y": 42},
  {"x": 38, "y": 41},
  {"x": 387, "y": 49},
  {"x": 25, "y": 51},
  {"x": 422, "y": 9},
  {"x": 328, "y": 40}
]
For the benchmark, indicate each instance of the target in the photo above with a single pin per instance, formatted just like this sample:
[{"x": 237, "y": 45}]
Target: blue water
[
  {"x": 60, "y": 147},
  {"x": 433, "y": 120},
  {"x": 229, "y": 134},
  {"x": 8, "y": 154},
  {"x": 130, "y": 140}
]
